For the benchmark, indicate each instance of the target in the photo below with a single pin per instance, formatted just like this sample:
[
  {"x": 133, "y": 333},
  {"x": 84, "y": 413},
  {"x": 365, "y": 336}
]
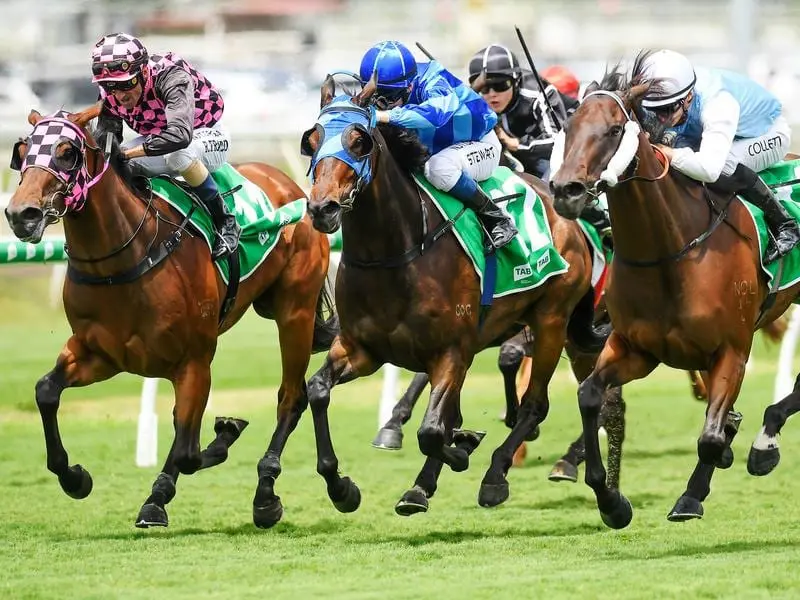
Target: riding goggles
[{"x": 119, "y": 86}]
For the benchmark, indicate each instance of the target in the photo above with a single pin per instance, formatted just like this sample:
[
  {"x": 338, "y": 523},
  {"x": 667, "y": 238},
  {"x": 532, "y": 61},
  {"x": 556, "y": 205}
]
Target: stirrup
[{"x": 220, "y": 249}]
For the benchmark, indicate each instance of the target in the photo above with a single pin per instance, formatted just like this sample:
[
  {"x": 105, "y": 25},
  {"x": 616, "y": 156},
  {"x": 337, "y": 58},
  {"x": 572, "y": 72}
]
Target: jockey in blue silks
[
  {"x": 450, "y": 119},
  {"x": 725, "y": 129}
]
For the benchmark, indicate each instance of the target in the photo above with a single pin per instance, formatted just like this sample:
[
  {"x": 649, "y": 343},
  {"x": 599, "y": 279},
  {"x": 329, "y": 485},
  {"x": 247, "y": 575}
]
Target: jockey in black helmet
[{"x": 525, "y": 126}]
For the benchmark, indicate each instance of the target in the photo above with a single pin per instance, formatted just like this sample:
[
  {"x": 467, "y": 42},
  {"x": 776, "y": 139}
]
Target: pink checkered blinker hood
[{"x": 47, "y": 134}]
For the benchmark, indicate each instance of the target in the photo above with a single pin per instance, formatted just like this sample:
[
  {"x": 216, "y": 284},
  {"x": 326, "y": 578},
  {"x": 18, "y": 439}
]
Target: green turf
[{"x": 547, "y": 541}]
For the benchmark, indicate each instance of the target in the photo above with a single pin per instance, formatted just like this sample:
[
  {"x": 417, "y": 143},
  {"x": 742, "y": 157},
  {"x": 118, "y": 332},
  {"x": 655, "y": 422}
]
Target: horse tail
[
  {"x": 581, "y": 328},
  {"x": 326, "y": 321}
]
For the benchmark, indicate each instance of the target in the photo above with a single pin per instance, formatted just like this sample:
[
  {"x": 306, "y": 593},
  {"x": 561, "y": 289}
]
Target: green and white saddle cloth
[
  {"x": 784, "y": 179},
  {"x": 261, "y": 223},
  {"x": 530, "y": 259},
  {"x": 601, "y": 255}
]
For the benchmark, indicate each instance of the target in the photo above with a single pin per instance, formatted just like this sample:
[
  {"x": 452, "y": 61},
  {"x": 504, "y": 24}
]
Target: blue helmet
[{"x": 393, "y": 62}]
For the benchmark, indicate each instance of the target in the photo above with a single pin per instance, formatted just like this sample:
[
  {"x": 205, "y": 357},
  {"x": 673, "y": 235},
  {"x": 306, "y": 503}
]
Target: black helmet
[{"x": 496, "y": 60}]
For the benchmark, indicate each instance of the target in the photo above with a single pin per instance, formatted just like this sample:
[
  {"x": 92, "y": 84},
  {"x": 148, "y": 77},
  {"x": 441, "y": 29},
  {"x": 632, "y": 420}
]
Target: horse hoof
[
  {"x": 388, "y": 439},
  {"x": 151, "y": 515},
  {"x": 686, "y": 509},
  {"x": 533, "y": 435},
  {"x": 620, "y": 516},
  {"x": 564, "y": 471},
  {"x": 267, "y": 515},
  {"x": 231, "y": 425},
  {"x": 762, "y": 462},
  {"x": 726, "y": 460},
  {"x": 493, "y": 494},
  {"x": 76, "y": 482},
  {"x": 351, "y": 499},
  {"x": 467, "y": 439},
  {"x": 413, "y": 502}
]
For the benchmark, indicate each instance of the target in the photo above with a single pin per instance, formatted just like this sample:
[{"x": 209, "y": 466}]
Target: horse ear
[
  {"x": 592, "y": 87},
  {"x": 34, "y": 117},
  {"x": 369, "y": 90},
  {"x": 327, "y": 91},
  {"x": 637, "y": 91}
]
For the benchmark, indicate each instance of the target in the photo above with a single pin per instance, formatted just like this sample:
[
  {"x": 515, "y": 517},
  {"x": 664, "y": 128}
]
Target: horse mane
[
  {"x": 617, "y": 80},
  {"x": 405, "y": 146}
]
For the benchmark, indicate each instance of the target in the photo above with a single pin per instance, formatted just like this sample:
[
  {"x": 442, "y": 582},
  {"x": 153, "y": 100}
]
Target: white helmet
[{"x": 676, "y": 76}]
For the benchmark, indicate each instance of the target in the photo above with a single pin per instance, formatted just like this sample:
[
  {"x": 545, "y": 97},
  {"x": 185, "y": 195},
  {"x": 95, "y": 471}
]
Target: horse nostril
[
  {"x": 31, "y": 213},
  {"x": 330, "y": 208},
  {"x": 574, "y": 189}
]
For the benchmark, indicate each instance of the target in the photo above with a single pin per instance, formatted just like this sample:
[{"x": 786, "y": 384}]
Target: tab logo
[
  {"x": 263, "y": 238},
  {"x": 543, "y": 261},
  {"x": 522, "y": 271}
]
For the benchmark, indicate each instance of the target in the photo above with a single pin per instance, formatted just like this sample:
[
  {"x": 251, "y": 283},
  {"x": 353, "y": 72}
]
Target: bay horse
[
  {"x": 163, "y": 323},
  {"x": 407, "y": 294},
  {"x": 685, "y": 286}
]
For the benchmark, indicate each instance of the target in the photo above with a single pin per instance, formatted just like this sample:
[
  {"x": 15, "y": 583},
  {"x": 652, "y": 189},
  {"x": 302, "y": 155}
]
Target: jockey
[
  {"x": 725, "y": 128},
  {"x": 177, "y": 113},
  {"x": 451, "y": 120},
  {"x": 525, "y": 128}
]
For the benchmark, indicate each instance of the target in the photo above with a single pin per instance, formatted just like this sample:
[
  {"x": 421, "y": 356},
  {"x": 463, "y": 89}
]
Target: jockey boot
[
  {"x": 228, "y": 230},
  {"x": 497, "y": 224},
  {"x": 597, "y": 216},
  {"x": 784, "y": 233}
]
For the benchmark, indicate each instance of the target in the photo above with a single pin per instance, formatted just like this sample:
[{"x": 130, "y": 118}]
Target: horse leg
[
  {"x": 341, "y": 366},
  {"x": 443, "y": 413},
  {"x": 612, "y": 417},
  {"x": 227, "y": 430},
  {"x": 192, "y": 385},
  {"x": 765, "y": 453},
  {"x": 725, "y": 380},
  {"x": 566, "y": 467},
  {"x": 617, "y": 365},
  {"x": 415, "y": 500},
  {"x": 295, "y": 334},
  {"x": 509, "y": 360},
  {"x": 75, "y": 366},
  {"x": 549, "y": 333},
  {"x": 390, "y": 436}
]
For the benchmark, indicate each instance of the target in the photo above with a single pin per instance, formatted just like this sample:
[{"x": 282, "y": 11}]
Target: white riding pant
[
  {"x": 476, "y": 159},
  {"x": 209, "y": 145},
  {"x": 760, "y": 152}
]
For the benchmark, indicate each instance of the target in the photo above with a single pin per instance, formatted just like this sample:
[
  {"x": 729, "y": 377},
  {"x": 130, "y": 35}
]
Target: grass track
[{"x": 547, "y": 541}]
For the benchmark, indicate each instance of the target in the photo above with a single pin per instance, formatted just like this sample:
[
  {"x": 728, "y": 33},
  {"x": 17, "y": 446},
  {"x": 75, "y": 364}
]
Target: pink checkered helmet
[{"x": 117, "y": 57}]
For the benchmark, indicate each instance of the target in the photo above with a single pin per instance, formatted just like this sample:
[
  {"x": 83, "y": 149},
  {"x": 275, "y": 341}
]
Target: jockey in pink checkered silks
[{"x": 176, "y": 111}]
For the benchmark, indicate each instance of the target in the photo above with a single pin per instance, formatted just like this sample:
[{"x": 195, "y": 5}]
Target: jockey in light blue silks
[
  {"x": 725, "y": 128},
  {"x": 450, "y": 119}
]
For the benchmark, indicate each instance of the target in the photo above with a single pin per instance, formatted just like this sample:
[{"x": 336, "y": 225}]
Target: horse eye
[{"x": 615, "y": 131}]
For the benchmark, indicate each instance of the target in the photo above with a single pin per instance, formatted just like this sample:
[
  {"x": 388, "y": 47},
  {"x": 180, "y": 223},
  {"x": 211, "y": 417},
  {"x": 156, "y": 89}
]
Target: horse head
[
  {"x": 598, "y": 144},
  {"x": 54, "y": 161},
  {"x": 342, "y": 148}
]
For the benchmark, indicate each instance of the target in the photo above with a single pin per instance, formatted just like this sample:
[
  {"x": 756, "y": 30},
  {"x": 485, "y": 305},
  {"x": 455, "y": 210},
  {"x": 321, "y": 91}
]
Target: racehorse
[
  {"x": 685, "y": 287},
  {"x": 159, "y": 322},
  {"x": 407, "y": 294}
]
